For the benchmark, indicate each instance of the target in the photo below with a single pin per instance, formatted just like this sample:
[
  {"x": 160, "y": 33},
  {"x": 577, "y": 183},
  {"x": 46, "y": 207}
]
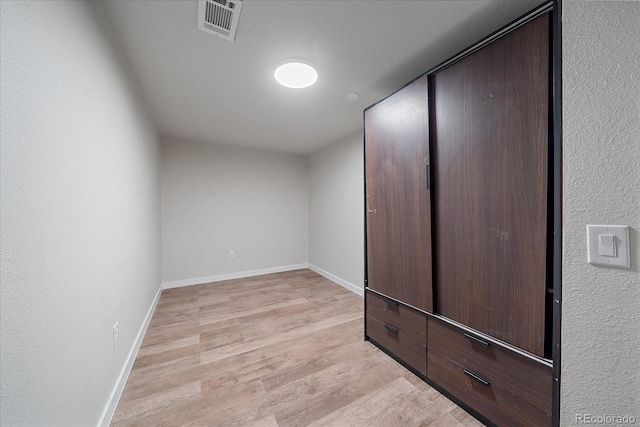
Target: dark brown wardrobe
[{"x": 462, "y": 224}]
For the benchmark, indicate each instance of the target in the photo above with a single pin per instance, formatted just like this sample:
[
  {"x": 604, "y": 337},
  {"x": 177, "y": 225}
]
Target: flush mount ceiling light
[{"x": 295, "y": 74}]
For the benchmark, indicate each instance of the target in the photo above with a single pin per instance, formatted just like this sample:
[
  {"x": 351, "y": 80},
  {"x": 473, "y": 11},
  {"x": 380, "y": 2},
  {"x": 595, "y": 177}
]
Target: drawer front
[
  {"x": 526, "y": 378},
  {"x": 408, "y": 320},
  {"x": 395, "y": 340},
  {"x": 490, "y": 400}
]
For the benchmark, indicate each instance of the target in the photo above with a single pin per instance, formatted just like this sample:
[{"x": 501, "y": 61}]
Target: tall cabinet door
[
  {"x": 491, "y": 129},
  {"x": 398, "y": 212}
]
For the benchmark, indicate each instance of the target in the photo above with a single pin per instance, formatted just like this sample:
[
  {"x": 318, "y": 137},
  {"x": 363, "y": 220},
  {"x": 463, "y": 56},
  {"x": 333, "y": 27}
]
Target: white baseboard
[
  {"x": 231, "y": 276},
  {"x": 350, "y": 286},
  {"x": 110, "y": 409},
  {"x": 240, "y": 275}
]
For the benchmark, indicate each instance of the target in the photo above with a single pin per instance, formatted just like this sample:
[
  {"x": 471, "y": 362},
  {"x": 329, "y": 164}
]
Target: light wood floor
[{"x": 283, "y": 349}]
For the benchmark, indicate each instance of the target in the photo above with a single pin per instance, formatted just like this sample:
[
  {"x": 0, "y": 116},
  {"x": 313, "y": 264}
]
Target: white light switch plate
[{"x": 608, "y": 245}]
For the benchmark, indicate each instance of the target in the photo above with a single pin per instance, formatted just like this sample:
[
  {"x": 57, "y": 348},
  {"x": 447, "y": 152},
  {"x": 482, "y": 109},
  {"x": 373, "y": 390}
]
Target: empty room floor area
[{"x": 284, "y": 349}]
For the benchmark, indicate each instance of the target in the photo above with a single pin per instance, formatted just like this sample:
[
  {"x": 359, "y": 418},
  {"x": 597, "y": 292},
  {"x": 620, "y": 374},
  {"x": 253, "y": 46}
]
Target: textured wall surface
[
  {"x": 601, "y": 185},
  {"x": 80, "y": 221},
  {"x": 217, "y": 199},
  {"x": 336, "y": 209}
]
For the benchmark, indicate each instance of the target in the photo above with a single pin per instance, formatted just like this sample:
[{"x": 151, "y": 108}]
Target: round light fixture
[
  {"x": 295, "y": 74},
  {"x": 353, "y": 96}
]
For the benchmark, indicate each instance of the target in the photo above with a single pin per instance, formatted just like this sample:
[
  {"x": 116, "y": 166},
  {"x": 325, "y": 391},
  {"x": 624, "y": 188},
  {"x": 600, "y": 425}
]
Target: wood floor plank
[
  {"x": 169, "y": 345},
  {"x": 464, "y": 418},
  {"x": 142, "y": 374},
  {"x": 307, "y": 364},
  {"x": 185, "y": 328},
  {"x": 368, "y": 407},
  {"x": 411, "y": 411},
  {"x": 155, "y": 402},
  {"x": 165, "y": 356},
  {"x": 226, "y": 313},
  {"x": 325, "y": 397},
  {"x": 284, "y": 349},
  {"x": 236, "y": 349},
  {"x": 281, "y": 356}
]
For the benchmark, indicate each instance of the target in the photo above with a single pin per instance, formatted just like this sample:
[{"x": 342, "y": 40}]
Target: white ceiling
[{"x": 203, "y": 88}]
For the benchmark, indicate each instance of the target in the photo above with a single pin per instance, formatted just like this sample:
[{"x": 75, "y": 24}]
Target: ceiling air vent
[{"x": 219, "y": 17}]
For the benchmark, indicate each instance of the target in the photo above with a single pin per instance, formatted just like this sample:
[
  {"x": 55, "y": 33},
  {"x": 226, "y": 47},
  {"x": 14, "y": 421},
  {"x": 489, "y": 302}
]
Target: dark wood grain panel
[
  {"x": 490, "y": 191},
  {"x": 408, "y": 320},
  {"x": 493, "y": 402},
  {"x": 397, "y": 200},
  {"x": 412, "y": 352},
  {"x": 525, "y": 378}
]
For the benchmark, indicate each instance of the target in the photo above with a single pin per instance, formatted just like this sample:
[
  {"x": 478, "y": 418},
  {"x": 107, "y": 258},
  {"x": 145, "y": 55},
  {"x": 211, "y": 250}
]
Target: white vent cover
[{"x": 219, "y": 17}]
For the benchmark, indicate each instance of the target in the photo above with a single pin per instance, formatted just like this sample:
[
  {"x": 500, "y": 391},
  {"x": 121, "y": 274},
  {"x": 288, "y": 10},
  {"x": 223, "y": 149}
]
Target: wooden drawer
[
  {"x": 498, "y": 405},
  {"x": 394, "y": 339},
  {"x": 526, "y": 378},
  {"x": 406, "y": 319}
]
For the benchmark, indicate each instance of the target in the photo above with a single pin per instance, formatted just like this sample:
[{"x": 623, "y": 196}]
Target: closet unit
[
  {"x": 462, "y": 200},
  {"x": 399, "y": 290}
]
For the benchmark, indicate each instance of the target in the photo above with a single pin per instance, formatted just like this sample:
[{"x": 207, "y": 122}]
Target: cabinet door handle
[
  {"x": 476, "y": 339},
  {"x": 391, "y": 302},
  {"x": 390, "y": 328},
  {"x": 476, "y": 377},
  {"x": 368, "y": 207},
  {"x": 428, "y": 172}
]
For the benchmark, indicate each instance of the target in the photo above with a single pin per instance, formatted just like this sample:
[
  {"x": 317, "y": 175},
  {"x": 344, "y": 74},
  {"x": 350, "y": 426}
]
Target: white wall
[
  {"x": 601, "y": 185},
  {"x": 336, "y": 212},
  {"x": 217, "y": 199},
  {"x": 79, "y": 217}
]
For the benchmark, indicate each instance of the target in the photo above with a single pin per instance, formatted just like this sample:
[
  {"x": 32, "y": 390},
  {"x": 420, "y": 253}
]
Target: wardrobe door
[
  {"x": 397, "y": 198},
  {"x": 490, "y": 186}
]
